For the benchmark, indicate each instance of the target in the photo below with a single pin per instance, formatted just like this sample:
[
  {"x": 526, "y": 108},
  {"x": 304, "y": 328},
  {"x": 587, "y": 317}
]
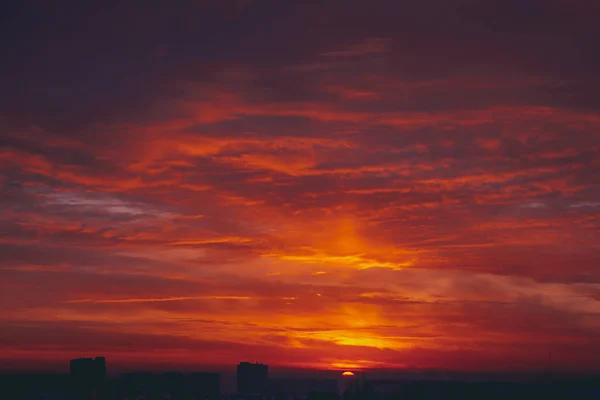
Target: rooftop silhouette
[{"x": 252, "y": 378}]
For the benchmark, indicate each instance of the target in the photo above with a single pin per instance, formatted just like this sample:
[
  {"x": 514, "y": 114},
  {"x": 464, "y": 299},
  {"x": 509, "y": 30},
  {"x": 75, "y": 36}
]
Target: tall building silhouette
[
  {"x": 88, "y": 368},
  {"x": 252, "y": 378},
  {"x": 88, "y": 378}
]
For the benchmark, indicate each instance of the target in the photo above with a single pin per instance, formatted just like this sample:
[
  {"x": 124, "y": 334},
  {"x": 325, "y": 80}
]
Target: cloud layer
[{"x": 318, "y": 185}]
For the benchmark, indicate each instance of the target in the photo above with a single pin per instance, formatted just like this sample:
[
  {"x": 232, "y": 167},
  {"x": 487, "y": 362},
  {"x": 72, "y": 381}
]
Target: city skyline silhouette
[{"x": 88, "y": 379}]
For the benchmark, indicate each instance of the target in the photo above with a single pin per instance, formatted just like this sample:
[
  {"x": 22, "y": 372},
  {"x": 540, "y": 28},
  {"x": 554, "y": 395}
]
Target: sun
[{"x": 347, "y": 373}]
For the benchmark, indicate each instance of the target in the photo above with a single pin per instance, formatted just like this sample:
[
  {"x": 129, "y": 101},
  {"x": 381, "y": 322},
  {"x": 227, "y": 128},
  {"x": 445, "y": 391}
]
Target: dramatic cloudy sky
[{"x": 306, "y": 183}]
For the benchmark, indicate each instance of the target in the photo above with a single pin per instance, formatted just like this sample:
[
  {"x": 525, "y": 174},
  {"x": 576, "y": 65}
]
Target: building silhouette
[
  {"x": 87, "y": 378},
  {"x": 88, "y": 368},
  {"x": 252, "y": 378}
]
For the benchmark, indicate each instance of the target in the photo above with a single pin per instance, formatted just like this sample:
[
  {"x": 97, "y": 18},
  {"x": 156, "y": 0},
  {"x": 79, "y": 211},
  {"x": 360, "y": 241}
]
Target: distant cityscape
[{"x": 88, "y": 380}]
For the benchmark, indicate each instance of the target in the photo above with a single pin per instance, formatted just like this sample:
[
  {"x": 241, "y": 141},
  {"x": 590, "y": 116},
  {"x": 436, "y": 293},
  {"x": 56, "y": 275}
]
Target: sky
[{"x": 315, "y": 184}]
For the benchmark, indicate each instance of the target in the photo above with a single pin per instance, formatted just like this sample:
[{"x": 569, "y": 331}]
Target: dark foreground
[{"x": 206, "y": 386}]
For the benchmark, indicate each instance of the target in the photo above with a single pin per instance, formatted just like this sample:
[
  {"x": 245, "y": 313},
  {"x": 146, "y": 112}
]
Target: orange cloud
[{"x": 327, "y": 204}]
